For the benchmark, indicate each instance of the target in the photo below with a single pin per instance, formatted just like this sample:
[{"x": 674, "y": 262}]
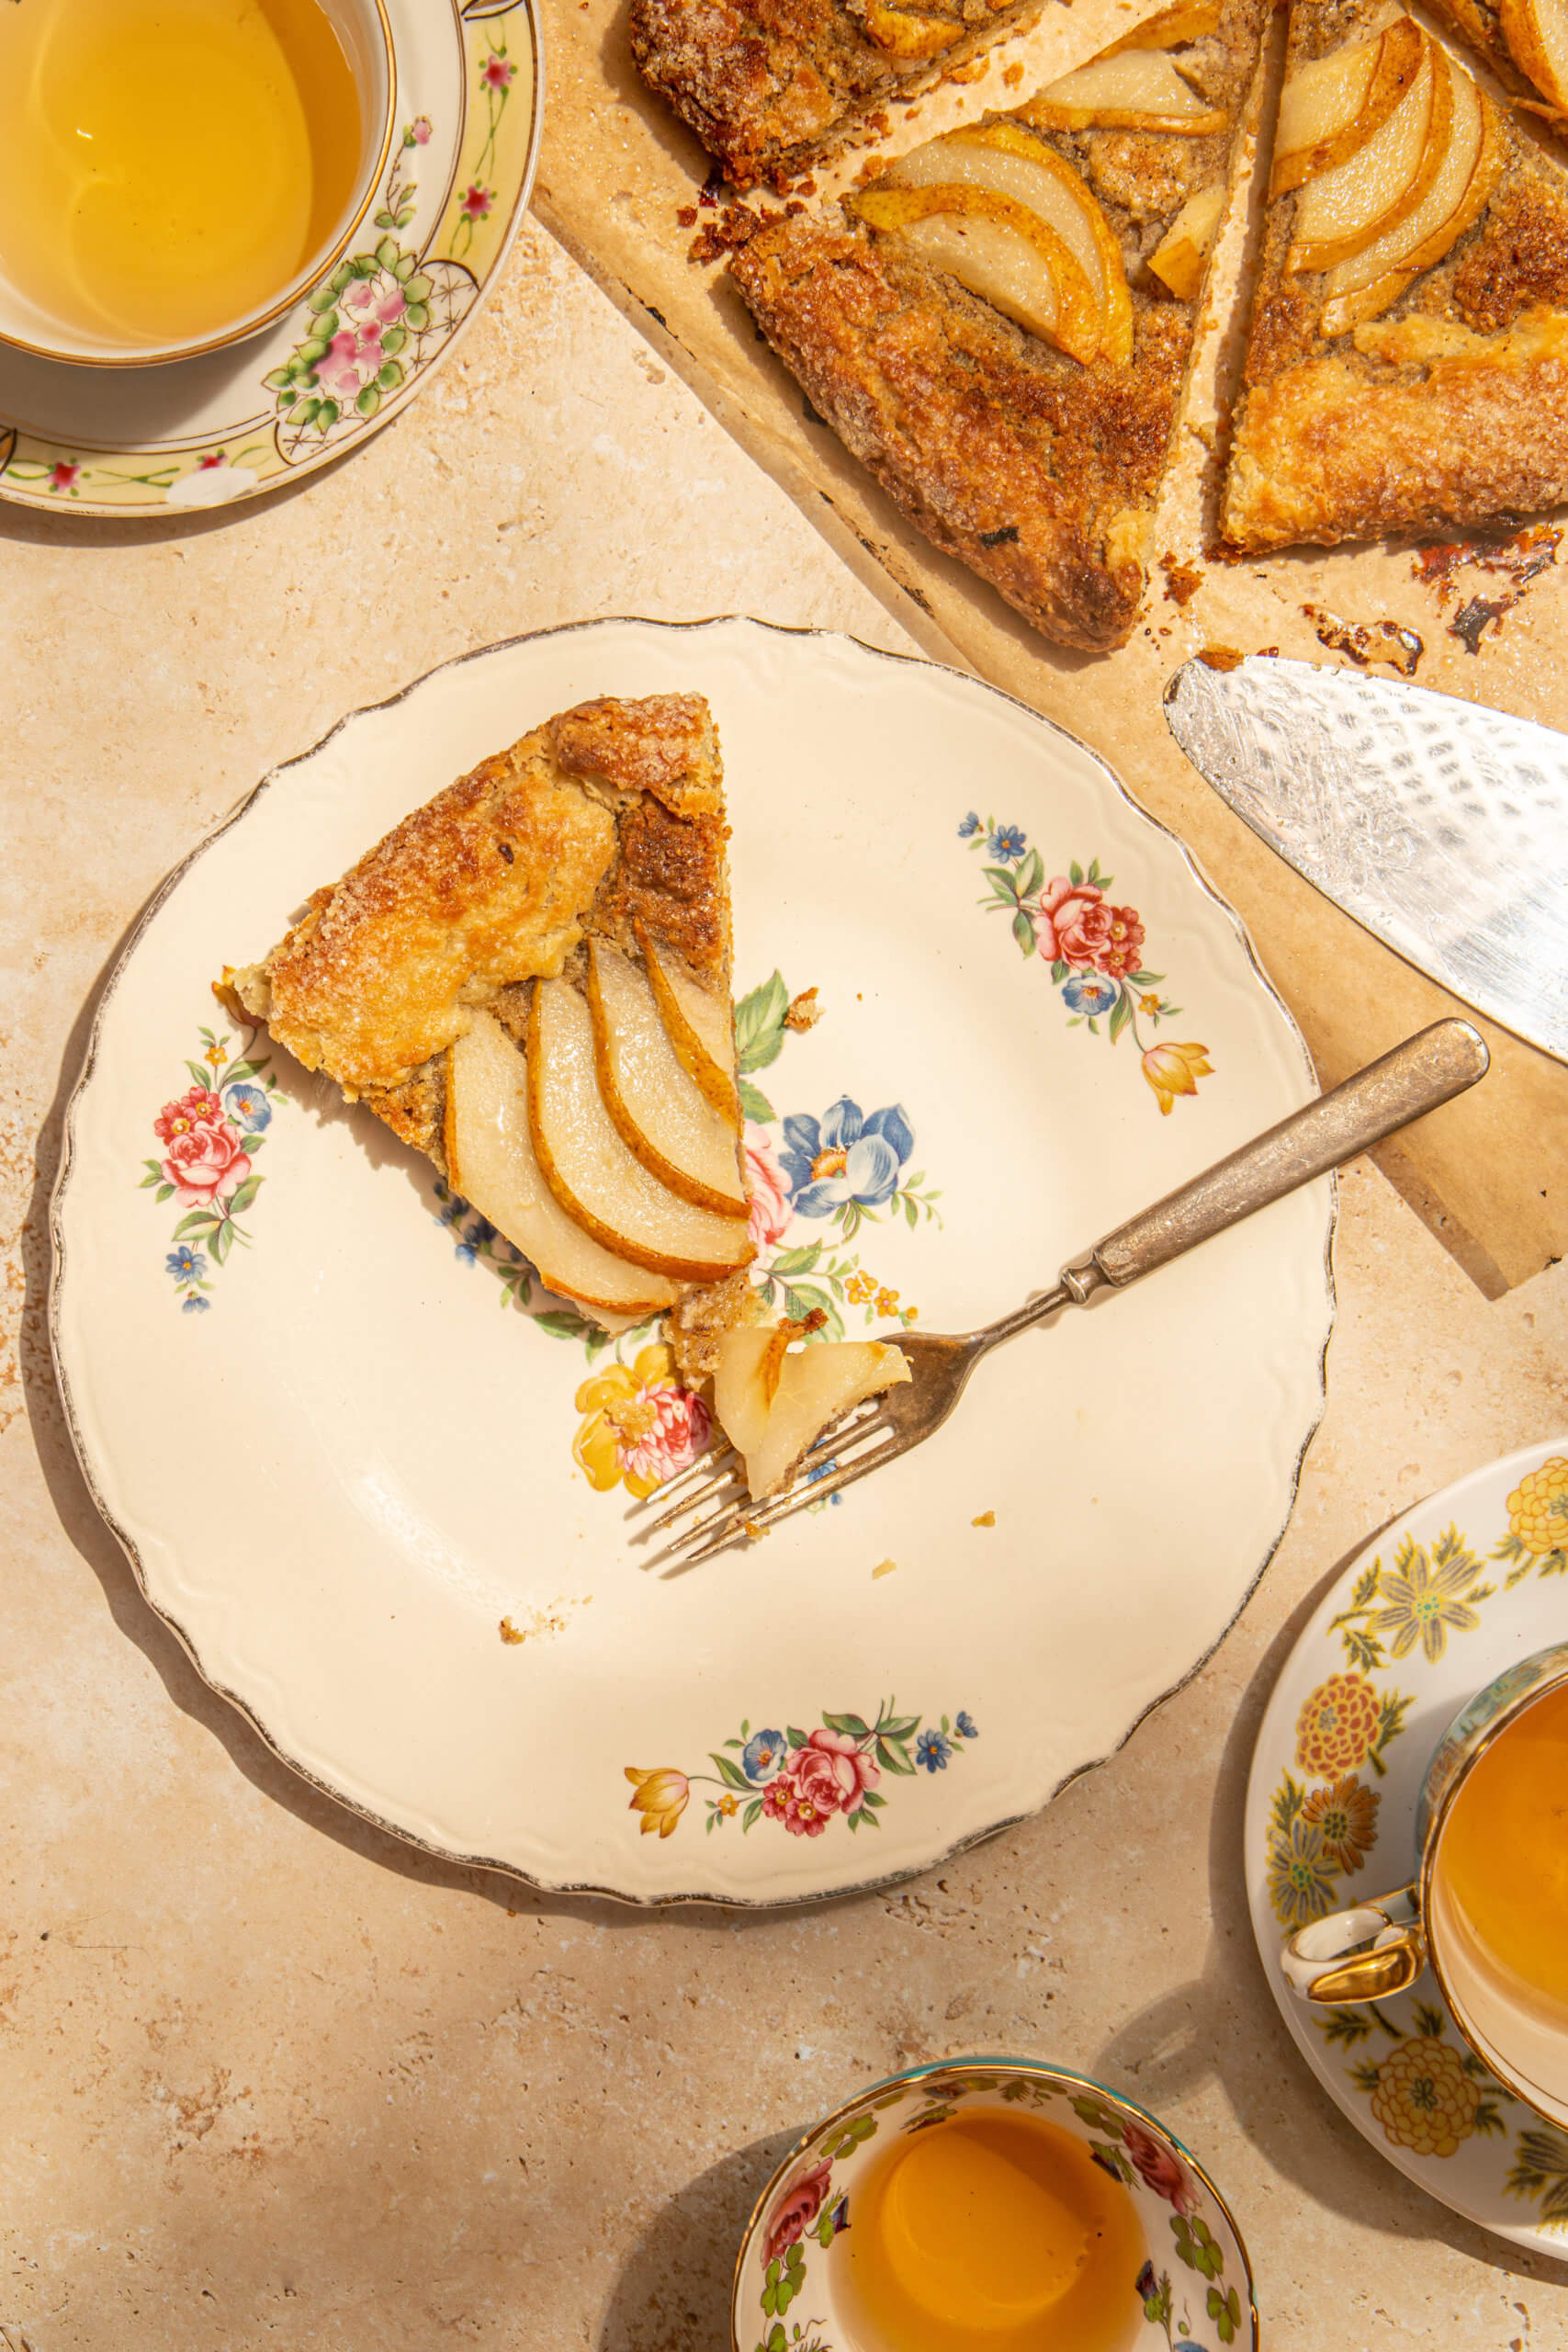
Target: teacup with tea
[
  {"x": 1487, "y": 1908},
  {"x": 173, "y": 173},
  {"x": 991, "y": 2205}
]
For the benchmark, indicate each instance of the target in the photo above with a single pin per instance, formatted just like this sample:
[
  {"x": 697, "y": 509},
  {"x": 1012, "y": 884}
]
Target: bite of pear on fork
[{"x": 708, "y": 1506}]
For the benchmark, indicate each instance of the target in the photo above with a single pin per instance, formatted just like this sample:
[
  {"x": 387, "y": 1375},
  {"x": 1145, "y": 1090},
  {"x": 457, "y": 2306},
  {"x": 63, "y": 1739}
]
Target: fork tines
[{"x": 838, "y": 1456}]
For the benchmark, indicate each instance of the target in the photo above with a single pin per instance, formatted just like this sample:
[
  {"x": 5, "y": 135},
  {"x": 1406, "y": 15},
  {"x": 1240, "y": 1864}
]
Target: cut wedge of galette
[
  {"x": 1000, "y": 328},
  {"x": 529, "y": 980},
  {"x": 772, "y": 87},
  {"x": 1408, "y": 360}
]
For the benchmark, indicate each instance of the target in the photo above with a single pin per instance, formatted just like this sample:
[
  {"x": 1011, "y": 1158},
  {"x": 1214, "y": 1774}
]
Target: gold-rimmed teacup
[
  {"x": 1383, "y": 1945},
  {"x": 87, "y": 335},
  {"x": 792, "y": 2292}
]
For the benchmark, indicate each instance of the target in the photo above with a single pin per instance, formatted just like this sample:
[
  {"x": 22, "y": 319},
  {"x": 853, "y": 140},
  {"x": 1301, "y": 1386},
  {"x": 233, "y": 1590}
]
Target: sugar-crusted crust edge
[{"x": 772, "y": 87}]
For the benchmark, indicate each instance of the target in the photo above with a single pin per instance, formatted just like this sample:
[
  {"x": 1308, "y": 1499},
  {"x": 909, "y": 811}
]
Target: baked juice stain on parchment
[
  {"x": 1514, "y": 563},
  {"x": 1365, "y": 642}
]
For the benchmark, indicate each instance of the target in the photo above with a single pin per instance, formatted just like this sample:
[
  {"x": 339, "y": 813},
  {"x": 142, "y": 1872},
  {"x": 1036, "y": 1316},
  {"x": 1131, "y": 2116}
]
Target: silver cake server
[{"x": 1440, "y": 825}]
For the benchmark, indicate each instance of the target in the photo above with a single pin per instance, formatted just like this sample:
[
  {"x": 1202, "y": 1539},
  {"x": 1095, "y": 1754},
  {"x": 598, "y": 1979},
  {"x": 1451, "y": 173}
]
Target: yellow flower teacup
[{"x": 1487, "y": 1909}]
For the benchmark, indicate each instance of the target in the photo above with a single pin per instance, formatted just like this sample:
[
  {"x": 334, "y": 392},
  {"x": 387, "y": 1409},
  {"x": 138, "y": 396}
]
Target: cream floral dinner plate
[
  {"x": 1035, "y": 1017},
  {"x": 205, "y": 431},
  {"x": 1444, "y": 1600}
]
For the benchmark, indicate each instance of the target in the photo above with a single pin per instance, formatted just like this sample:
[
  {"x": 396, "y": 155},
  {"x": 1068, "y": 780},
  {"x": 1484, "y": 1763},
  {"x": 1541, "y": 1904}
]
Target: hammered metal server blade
[{"x": 1440, "y": 825}]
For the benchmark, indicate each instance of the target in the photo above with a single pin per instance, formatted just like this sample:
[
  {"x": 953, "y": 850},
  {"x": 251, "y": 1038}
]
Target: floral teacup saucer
[
  {"x": 1445, "y": 1600},
  {"x": 207, "y": 432}
]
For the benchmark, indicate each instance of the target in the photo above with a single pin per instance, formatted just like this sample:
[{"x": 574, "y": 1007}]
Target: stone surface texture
[{"x": 269, "y": 2078}]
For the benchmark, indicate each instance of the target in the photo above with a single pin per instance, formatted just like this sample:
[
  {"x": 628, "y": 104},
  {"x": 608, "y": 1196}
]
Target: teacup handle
[{"x": 1379, "y": 1945}]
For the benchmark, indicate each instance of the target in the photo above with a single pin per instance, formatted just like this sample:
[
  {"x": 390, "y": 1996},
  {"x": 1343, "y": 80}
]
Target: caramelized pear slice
[
  {"x": 1128, "y": 89},
  {"x": 772, "y": 1403},
  {"x": 1000, "y": 251},
  {"x": 1182, "y": 254},
  {"x": 1365, "y": 285},
  {"x": 1342, "y": 211},
  {"x": 1012, "y": 162},
  {"x": 660, "y": 1112},
  {"x": 490, "y": 1161},
  {"x": 1537, "y": 35},
  {"x": 601, "y": 1185},
  {"x": 1333, "y": 104},
  {"x": 701, "y": 1026},
  {"x": 1188, "y": 20},
  {"x": 910, "y": 32}
]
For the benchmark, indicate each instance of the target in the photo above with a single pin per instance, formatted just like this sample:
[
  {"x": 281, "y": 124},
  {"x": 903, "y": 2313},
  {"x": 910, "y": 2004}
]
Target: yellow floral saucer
[
  {"x": 1442, "y": 1602},
  {"x": 425, "y": 1590},
  {"x": 211, "y": 432}
]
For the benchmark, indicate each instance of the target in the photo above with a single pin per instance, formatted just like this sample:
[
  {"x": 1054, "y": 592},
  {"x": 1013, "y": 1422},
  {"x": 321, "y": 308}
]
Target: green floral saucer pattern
[
  {"x": 1443, "y": 1602},
  {"x": 208, "y": 432}
]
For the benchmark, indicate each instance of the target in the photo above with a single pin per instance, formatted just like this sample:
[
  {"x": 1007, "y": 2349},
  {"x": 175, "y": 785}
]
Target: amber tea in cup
[
  {"x": 169, "y": 170},
  {"x": 1503, "y": 1860},
  {"x": 1487, "y": 1910},
  {"x": 992, "y": 2232}
]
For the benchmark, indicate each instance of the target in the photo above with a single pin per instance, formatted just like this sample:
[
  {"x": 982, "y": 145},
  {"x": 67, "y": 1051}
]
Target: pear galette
[
  {"x": 529, "y": 980},
  {"x": 1407, "y": 363},
  {"x": 1002, "y": 328}
]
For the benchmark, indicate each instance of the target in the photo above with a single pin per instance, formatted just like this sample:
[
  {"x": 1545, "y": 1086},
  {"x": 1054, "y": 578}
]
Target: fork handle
[{"x": 1426, "y": 1069}]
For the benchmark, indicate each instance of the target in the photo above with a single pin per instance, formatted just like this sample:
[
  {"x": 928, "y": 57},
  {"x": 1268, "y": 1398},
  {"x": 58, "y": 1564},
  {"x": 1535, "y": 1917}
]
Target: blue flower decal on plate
[
  {"x": 1006, "y": 843},
  {"x": 969, "y": 828},
  {"x": 963, "y": 1724},
  {"x": 248, "y": 1104},
  {"x": 932, "y": 1751},
  {"x": 1088, "y": 992},
  {"x": 763, "y": 1754},
  {"x": 844, "y": 1158},
  {"x": 186, "y": 1264}
]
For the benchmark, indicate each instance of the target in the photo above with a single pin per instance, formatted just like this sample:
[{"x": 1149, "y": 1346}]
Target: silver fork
[{"x": 1425, "y": 1070}]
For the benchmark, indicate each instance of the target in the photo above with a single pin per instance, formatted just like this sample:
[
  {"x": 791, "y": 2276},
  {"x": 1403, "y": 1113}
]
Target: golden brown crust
[
  {"x": 1332, "y": 453},
  {"x": 1451, "y": 409},
  {"x": 1036, "y": 473},
  {"x": 1039, "y": 473},
  {"x": 610, "y": 806},
  {"x": 769, "y": 86}
]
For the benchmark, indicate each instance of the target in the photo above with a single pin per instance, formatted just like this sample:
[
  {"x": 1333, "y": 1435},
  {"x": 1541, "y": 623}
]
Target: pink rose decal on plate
[
  {"x": 208, "y": 1139},
  {"x": 206, "y": 1163},
  {"x": 796, "y": 2209},
  {"x": 830, "y": 1774},
  {"x": 765, "y": 1180},
  {"x": 1077, "y": 925},
  {"x": 1092, "y": 949},
  {"x": 1159, "y": 2169}
]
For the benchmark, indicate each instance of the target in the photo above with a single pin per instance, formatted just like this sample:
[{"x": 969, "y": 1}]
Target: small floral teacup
[
  {"x": 1381, "y": 1945},
  {"x": 1192, "y": 2292}
]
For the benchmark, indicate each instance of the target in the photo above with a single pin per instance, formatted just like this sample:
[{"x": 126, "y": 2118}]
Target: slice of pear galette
[
  {"x": 529, "y": 980},
  {"x": 1406, "y": 367},
  {"x": 1001, "y": 325}
]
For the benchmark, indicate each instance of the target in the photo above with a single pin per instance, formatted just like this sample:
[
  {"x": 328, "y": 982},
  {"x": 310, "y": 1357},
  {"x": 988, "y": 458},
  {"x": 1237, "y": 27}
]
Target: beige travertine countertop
[{"x": 269, "y": 2079}]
